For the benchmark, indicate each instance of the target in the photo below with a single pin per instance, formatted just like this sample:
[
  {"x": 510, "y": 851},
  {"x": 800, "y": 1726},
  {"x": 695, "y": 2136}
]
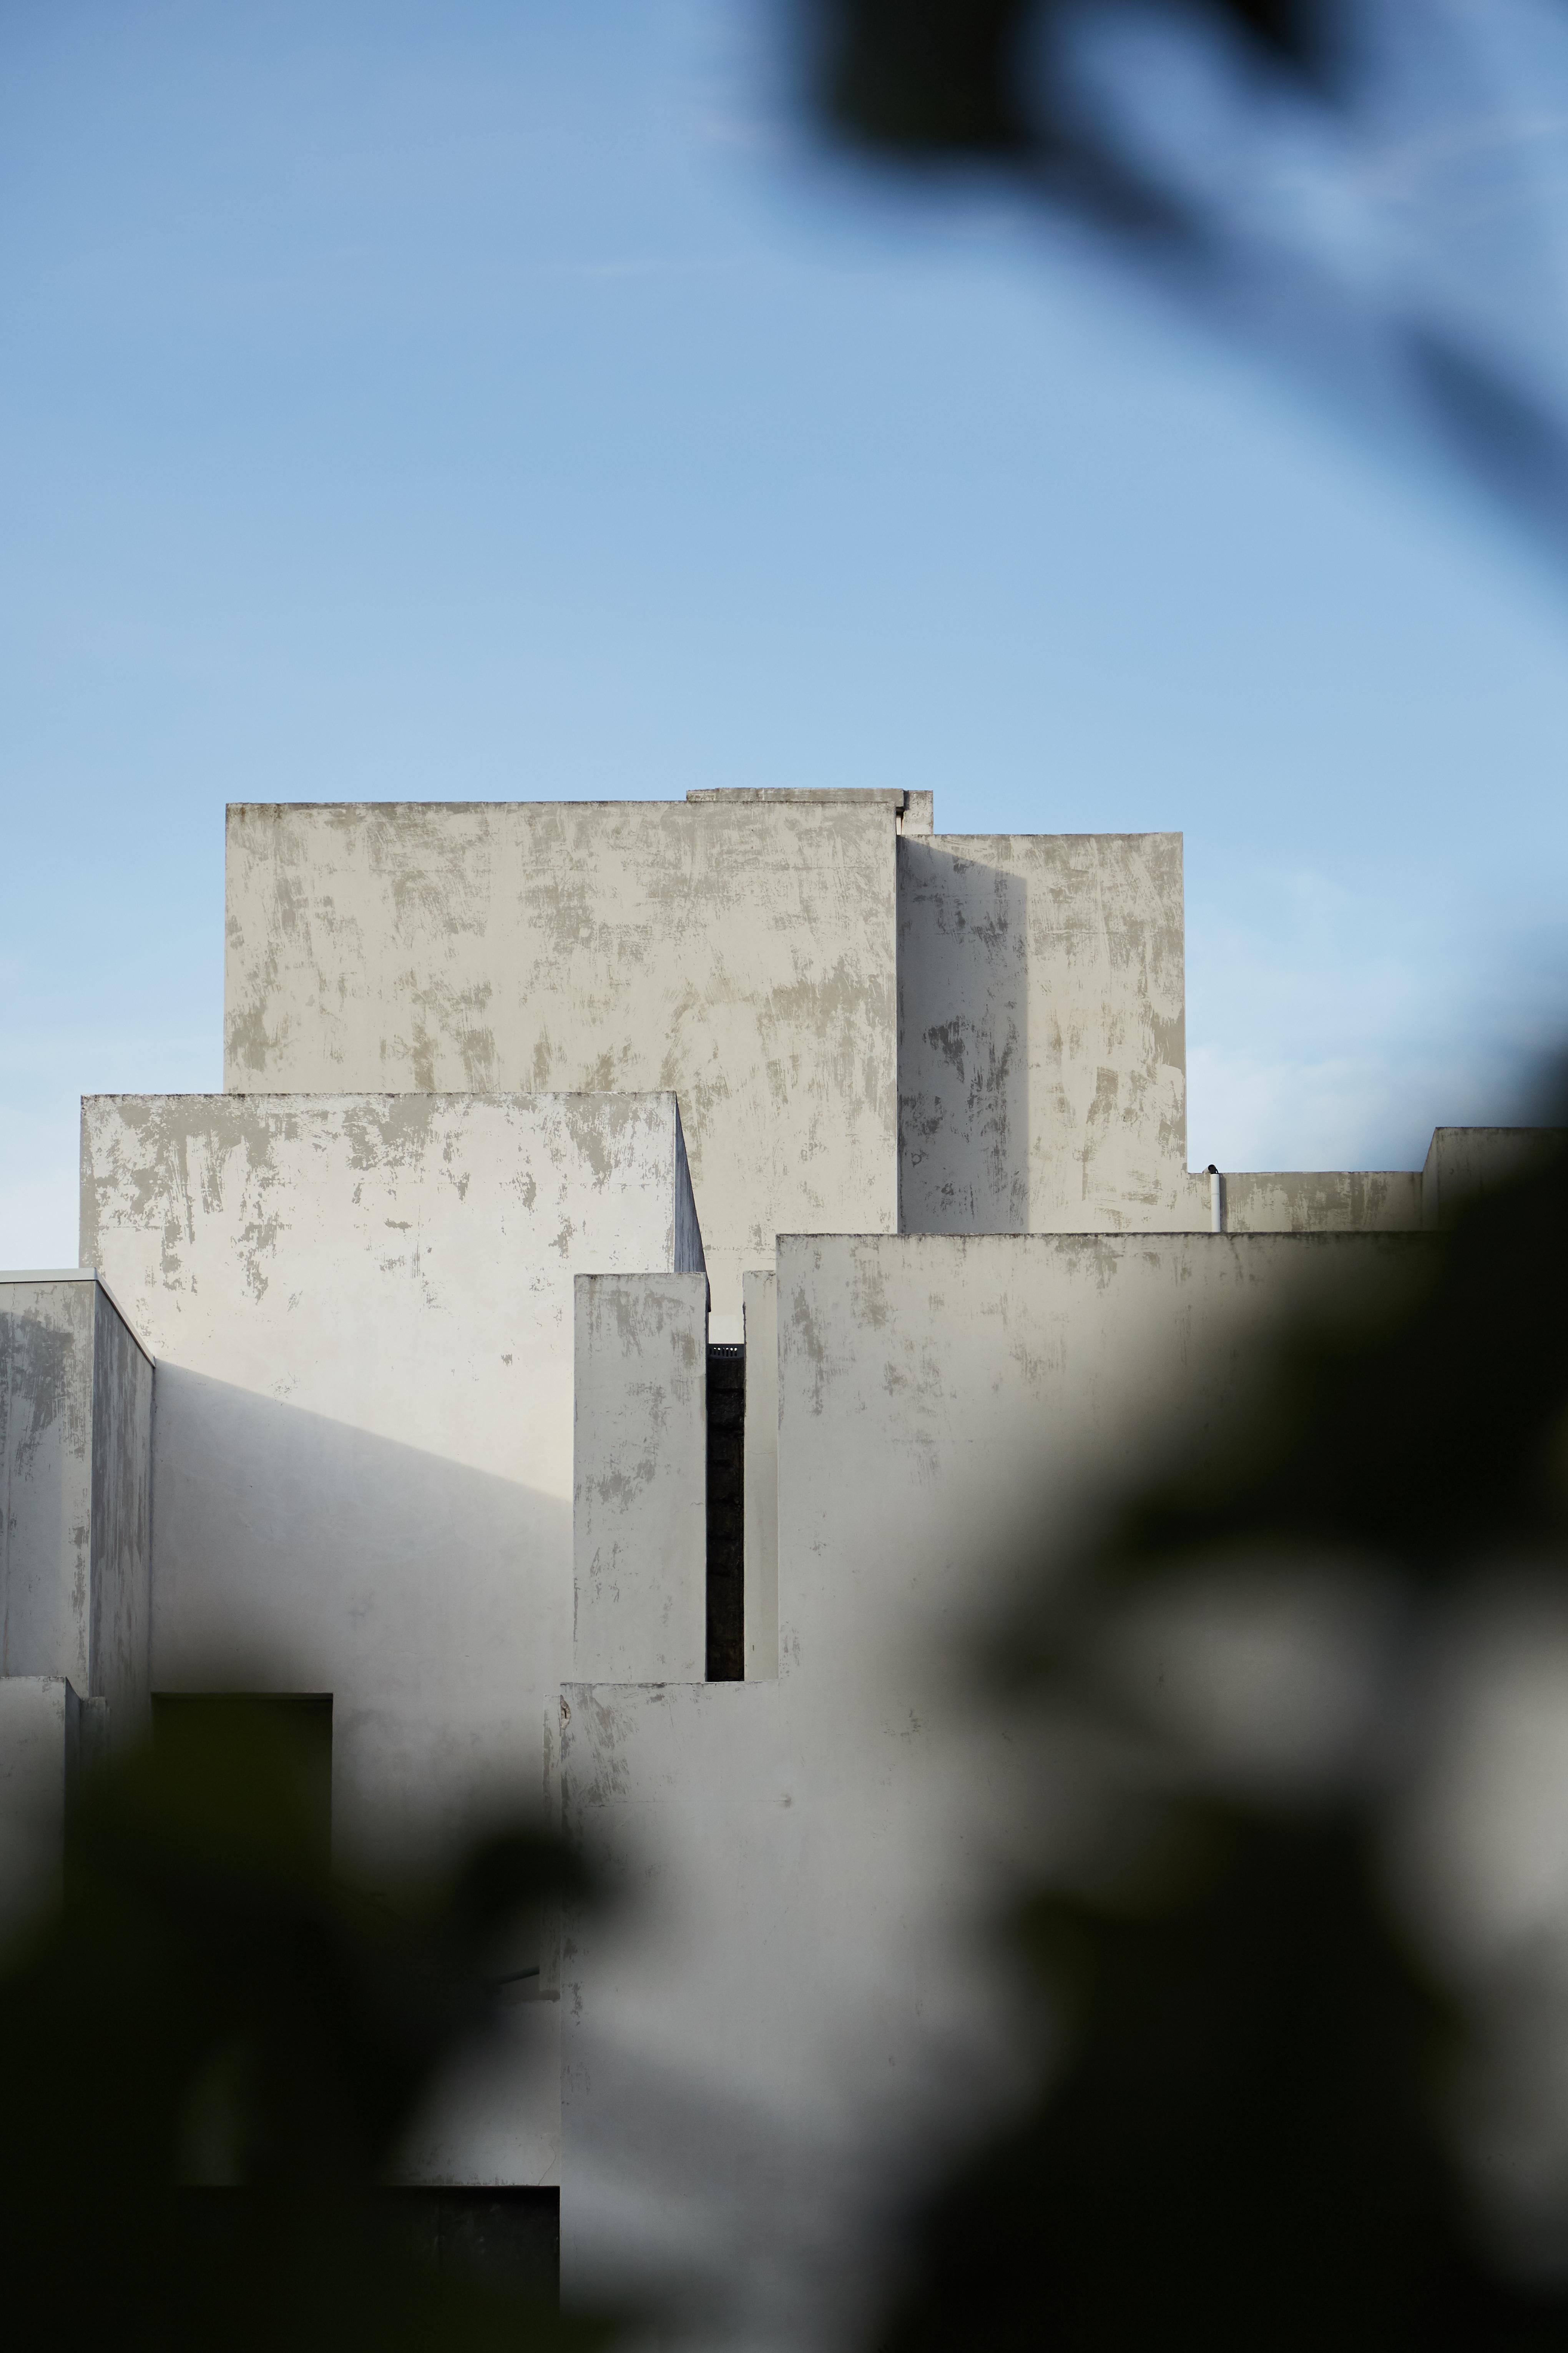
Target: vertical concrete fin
[{"x": 639, "y": 1512}]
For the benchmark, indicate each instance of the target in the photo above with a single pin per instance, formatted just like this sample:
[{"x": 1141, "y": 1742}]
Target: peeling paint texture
[
  {"x": 741, "y": 954},
  {"x": 1042, "y": 1056},
  {"x": 1359, "y": 1201}
]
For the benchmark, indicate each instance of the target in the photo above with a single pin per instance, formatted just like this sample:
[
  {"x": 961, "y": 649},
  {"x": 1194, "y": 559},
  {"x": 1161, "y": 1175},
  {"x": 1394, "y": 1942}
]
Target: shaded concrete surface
[
  {"x": 297, "y": 1552},
  {"x": 394, "y": 1269},
  {"x": 964, "y": 1044},
  {"x": 797, "y": 2019},
  {"x": 1042, "y": 1049},
  {"x": 76, "y": 1408},
  {"x": 47, "y": 1332},
  {"x": 305, "y": 1553},
  {"x": 123, "y": 1380},
  {"x": 1465, "y": 1163},
  {"x": 40, "y": 1757},
  {"x": 741, "y": 953},
  {"x": 362, "y": 1312}
]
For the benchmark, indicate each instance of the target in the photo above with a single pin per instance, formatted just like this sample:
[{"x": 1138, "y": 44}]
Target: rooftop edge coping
[{"x": 79, "y": 1275}]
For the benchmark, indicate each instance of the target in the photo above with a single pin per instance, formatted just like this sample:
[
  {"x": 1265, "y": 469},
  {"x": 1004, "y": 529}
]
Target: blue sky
[{"x": 482, "y": 400}]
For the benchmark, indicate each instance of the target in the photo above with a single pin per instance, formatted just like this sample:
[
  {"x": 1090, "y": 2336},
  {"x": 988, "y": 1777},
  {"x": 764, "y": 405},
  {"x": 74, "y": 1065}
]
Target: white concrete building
[{"x": 387, "y": 1374}]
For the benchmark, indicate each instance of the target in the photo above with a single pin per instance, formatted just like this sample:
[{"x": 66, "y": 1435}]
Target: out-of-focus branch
[{"x": 1361, "y": 190}]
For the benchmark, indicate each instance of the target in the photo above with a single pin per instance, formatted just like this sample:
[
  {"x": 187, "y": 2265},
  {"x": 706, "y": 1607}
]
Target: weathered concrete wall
[
  {"x": 122, "y": 1605},
  {"x": 639, "y": 1512},
  {"x": 796, "y": 2016},
  {"x": 362, "y": 1312},
  {"x": 1461, "y": 1164},
  {"x": 913, "y": 813},
  {"x": 75, "y": 1411},
  {"x": 1042, "y": 1058},
  {"x": 1465, "y": 1163},
  {"x": 741, "y": 953},
  {"x": 762, "y": 1475},
  {"x": 1333, "y": 1201},
  {"x": 46, "y": 1537}
]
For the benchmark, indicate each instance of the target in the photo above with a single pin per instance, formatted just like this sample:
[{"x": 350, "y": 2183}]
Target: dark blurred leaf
[
  {"x": 1248, "y": 2140},
  {"x": 928, "y": 77},
  {"x": 968, "y": 78},
  {"x": 1292, "y": 173},
  {"x": 1238, "y": 2151},
  {"x": 1422, "y": 1422},
  {"x": 212, "y": 2006}
]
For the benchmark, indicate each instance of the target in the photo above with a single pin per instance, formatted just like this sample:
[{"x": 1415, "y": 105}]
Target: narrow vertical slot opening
[{"x": 726, "y": 1512}]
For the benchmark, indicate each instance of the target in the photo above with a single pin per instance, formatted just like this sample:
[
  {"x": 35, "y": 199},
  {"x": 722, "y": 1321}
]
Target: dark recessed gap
[
  {"x": 506, "y": 2240},
  {"x": 726, "y": 1512}
]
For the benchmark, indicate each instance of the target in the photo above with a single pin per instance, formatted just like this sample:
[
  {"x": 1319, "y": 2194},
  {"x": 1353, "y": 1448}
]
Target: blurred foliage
[
  {"x": 1368, "y": 191},
  {"x": 1424, "y": 1421},
  {"x": 212, "y": 2054},
  {"x": 1244, "y": 2133},
  {"x": 948, "y": 78}
]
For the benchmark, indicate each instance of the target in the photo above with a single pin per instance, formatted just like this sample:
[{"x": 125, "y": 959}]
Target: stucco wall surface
[
  {"x": 639, "y": 1519},
  {"x": 1337, "y": 1201},
  {"x": 1042, "y": 1056},
  {"x": 46, "y": 1535},
  {"x": 76, "y": 1408},
  {"x": 362, "y": 1312},
  {"x": 794, "y": 2017},
  {"x": 741, "y": 954},
  {"x": 122, "y": 1605},
  {"x": 362, "y": 1307}
]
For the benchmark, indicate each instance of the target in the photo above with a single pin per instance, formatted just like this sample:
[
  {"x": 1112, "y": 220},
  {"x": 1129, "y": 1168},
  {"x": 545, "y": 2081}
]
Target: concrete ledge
[
  {"x": 1322, "y": 1200},
  {"x": 79, "y": 1275}
]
